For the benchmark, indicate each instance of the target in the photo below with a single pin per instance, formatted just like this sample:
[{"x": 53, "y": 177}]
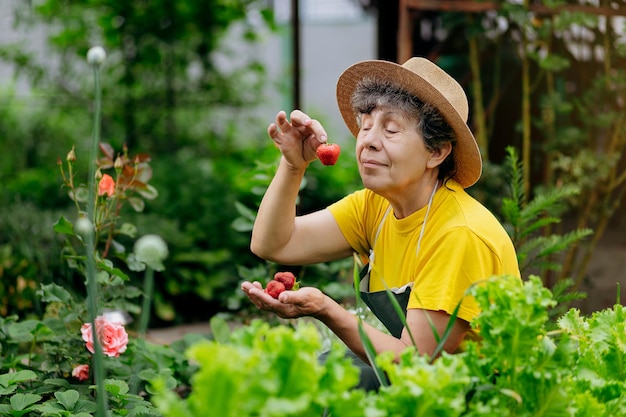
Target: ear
[{"x": 439, "y": 155}]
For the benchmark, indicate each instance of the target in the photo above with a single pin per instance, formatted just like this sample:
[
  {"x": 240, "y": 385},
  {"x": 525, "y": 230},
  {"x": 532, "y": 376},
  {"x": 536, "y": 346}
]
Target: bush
[{"x": 30, "y": 255}]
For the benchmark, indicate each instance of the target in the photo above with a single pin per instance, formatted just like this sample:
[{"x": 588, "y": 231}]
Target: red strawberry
[
  {"x": 287, "y": 278},
  {"x": 274, "y": 288},
  {"x": 328, "y": 153}
]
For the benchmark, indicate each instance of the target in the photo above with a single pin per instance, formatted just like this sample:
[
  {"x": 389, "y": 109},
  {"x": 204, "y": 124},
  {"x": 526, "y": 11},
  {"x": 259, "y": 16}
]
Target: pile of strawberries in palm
[{"x": 283, "y": 281}]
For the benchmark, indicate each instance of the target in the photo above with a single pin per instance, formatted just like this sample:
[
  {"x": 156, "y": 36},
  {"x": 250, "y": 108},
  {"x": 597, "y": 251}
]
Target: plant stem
[
  {"x": 477, "y": 92},
  {"x": 148, "y": 286},
  {"x": 526, "y": 123},
  {"x": 92, "y": 289}
]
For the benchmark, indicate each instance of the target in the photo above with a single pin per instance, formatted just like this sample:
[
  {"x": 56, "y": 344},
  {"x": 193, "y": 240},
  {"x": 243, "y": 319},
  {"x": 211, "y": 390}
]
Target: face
[{"x": 391, "y": 155}]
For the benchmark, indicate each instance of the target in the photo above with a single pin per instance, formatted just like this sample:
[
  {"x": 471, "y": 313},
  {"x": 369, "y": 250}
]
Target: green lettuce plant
[
  {"x": 522, "y": 366},
  {"x": 263, "y": 370}
]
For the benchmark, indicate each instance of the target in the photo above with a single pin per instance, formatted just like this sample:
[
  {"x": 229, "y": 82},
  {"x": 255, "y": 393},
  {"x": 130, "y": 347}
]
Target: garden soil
[{"x": 606, "y": 276}]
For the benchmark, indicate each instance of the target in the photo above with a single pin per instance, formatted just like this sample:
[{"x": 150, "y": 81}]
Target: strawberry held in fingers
[{"x": 328, "y": 153}]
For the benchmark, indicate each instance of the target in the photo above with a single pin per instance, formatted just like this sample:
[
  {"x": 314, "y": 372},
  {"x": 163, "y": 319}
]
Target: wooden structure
[{"x": 410, "y": 10}]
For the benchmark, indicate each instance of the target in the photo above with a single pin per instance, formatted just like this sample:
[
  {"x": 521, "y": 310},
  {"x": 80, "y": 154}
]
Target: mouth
[{"x": 371, "y": 163}]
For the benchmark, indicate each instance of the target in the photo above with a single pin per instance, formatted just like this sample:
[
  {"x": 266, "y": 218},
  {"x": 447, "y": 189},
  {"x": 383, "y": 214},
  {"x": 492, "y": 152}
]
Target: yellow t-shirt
[{"x": 463, "y": 243}]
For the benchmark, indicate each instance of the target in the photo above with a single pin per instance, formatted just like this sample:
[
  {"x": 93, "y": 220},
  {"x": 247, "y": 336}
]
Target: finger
[
  {"x": 308, "y": 126},
  {"x": 299, "y": 118},
  {"x": 281, "y": 121},
  {"x": 272, "y": 131},
  {"x": 318, "y": 131},
  {"x": 281, "y": 116},
  {"x": 247, "y": 286},
  {"x": 264, "y": 301},
  {"x": 254, "y": 294}
]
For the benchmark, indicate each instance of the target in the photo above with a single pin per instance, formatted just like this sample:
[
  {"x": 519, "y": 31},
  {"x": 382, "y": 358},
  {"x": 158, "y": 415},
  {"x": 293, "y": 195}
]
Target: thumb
[{"x": 284, "y": 297}]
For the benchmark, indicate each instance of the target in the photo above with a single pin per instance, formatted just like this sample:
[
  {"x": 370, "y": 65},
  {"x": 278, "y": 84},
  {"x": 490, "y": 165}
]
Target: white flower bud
[
  {"x": 83, "y": 227},
  {"x": 152, "y": 250},
  {"x": 96, "y": 56}
]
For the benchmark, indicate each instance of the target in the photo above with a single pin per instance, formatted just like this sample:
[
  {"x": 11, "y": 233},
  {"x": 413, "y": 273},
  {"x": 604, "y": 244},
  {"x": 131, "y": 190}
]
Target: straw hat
[{"x": 430, "y": 84}]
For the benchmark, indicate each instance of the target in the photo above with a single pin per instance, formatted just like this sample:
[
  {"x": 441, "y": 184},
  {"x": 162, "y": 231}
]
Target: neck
[{"x": 410, "y": 202}]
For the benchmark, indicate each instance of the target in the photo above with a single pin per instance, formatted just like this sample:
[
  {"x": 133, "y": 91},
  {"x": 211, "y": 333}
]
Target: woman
[{"x": 424, "y": 236}]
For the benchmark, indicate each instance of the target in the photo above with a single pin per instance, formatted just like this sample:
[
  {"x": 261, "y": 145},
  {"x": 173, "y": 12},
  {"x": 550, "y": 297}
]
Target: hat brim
[{"x": 466, "y": 153}]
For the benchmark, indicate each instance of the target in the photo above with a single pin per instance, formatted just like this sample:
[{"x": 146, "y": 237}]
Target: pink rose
[
  {"x": 106, "y": 186},
  {"x": 81, "y": 372},
  {"x": 111, "y": 335}
]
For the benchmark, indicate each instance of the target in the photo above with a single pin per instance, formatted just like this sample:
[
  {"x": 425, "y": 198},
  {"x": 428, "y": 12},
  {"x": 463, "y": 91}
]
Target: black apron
[{"x": 382, "y": 307}]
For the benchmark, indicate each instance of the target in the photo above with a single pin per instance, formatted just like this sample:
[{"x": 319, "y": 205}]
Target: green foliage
[
  {"x": 526, "y": 220},
  {"x": 38, "y": 357},
  {"x": 152, "y": 101},
  {"x": 164, "y": 82},
  {"x": 271, "y": 371},
  {"x": 29, "y": 256},
  {"x": 420, "y": 387},
  {"x": 594, "y": 159},
  {"x": 518, "y": 367},
  {"x": 57, "y": 349},
  {"x": 524, "y": 368},
  {"x": 195, "y": 210},
  {"x": 492, "y": 186},
  {"x": 600, "y": 366},
  {"x": 31, "y": 137}
]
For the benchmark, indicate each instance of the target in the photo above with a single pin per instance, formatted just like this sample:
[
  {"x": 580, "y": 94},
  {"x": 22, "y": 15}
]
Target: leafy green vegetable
[
  {"x": 521, "y": 366},
  {"x": 270, "y": 371}
]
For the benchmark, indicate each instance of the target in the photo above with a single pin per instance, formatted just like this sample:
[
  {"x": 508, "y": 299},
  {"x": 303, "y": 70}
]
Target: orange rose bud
[{"x": 106, "y": 186}]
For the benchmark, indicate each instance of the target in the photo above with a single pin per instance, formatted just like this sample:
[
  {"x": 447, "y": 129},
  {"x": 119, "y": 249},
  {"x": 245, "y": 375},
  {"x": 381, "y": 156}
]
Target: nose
[{"x": 369, "y": 138}]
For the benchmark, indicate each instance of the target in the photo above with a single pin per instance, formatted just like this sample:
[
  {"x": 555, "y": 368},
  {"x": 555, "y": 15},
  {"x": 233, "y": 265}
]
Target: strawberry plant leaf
[
  {"x": 21, "y": 402},
  {"x": 15, "y": 378},
  {"x": 67, "y": 398},
  {"x": 116, "y": 387}
]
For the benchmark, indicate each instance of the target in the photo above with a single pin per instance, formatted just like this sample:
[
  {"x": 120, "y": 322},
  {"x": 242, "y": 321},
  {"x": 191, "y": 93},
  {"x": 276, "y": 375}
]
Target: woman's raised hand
[{"x": 297, "y": 137}]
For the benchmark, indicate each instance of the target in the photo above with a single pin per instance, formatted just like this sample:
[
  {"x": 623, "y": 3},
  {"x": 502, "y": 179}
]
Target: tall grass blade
[
  {"x": 433, "y": 329},
  {"x": 398, "y": 309},
  {"x": 370, "y": 352},
  {"x": 446, "y": 333}
]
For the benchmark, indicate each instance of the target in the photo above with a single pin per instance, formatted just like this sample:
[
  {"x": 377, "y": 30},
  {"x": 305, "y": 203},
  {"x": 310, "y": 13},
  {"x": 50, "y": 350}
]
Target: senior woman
[{"x": 425, "y": 237}]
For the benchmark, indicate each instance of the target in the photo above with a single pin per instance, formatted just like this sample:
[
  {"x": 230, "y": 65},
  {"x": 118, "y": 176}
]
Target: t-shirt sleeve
[{"x": 458, "y": 260}]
